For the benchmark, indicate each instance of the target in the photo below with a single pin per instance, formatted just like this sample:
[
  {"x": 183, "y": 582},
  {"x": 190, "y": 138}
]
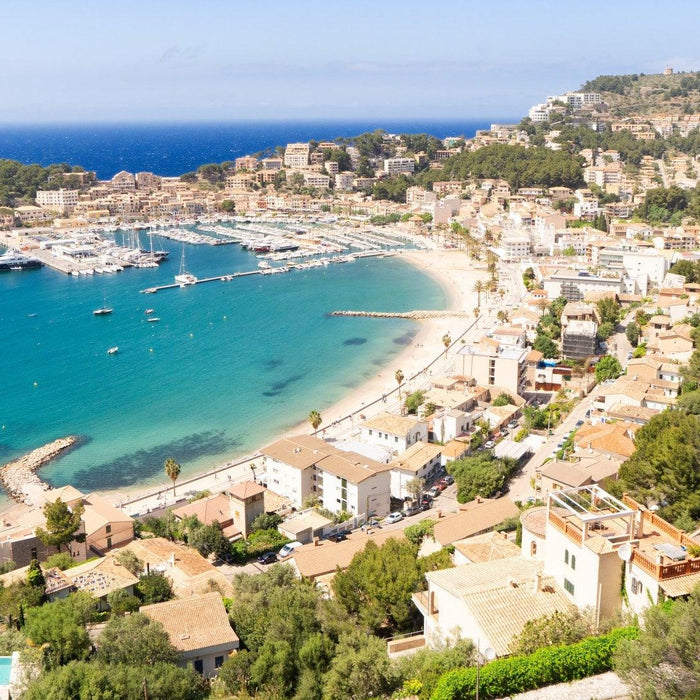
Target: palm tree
[
  {"x": 172, "y": 469},
  {"x": 398, "y": 375},
  {"x": 478, "y": 288},
  {"x": 315, "y": 419},
  {"x": 446, "y": 341},
  {"x": 476, "y": 312}
]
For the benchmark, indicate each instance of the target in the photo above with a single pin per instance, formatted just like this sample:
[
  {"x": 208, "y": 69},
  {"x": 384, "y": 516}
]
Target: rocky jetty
[
  {"x": 415, "y": 315},
  {"x": 19, "y": 477}
]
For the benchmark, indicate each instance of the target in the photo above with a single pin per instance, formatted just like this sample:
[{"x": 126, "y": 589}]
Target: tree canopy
[
  {"x": 135, "y": 640},
  {"x": 62, "y": 523},
  {"x": 481, "y": 475}
]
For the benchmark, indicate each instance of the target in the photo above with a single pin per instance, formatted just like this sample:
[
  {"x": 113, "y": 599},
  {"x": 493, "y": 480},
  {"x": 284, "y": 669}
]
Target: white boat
[
  {"x": 113, "y": 350},
  {"x": 104, "y": 311},
  {"x": 148, "y": 311},
  {"x": 184, "y": 278},
  {"x": 153, "y": 319}
]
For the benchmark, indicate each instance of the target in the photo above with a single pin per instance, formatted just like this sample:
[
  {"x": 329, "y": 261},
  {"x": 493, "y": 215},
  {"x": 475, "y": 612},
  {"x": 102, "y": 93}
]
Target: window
[
  {"x": 199, "y": 666},
  {"x": 108, "y": 529},
  {"x": 109, "y": 543},
  {"x": 636, "y": 586},
  {"x": 32, "y": 553},
  {"x": 533, "y": 548},
  {"x": 566, "y": 556},
  {"x": 370, "y": 432},
  {"x": 218, "y": 661},
  {"x": 573, "y": 561},
  {"x": 568, "y": 586},
  {"x": 396, "y": 438}
]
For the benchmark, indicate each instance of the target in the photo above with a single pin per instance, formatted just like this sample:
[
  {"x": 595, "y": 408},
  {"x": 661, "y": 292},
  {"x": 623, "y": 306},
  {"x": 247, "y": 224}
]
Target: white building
[
  {"x": 296, "y": 156},
  {"x": 515, "y": 248},
  {"x": 394, "y": 166},
  {"x": 420, "y": 461},
  {"x": 344, "y": 181},
  {"x": 316, "y": 179},
  {"x": 304, "y": 465},
  {"x": 58, "y": 200},
  {"x": 396, "y": 433}
]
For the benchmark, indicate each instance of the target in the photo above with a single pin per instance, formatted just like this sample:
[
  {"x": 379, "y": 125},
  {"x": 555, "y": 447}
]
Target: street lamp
[{"x": 488, "y": 655}]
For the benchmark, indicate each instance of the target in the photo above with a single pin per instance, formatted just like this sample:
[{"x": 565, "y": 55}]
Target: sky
[{"x": 226, "y": 60}]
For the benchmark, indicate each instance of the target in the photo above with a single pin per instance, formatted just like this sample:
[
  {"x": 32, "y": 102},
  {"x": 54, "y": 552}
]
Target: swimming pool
[{"x": 5, "y": 667}]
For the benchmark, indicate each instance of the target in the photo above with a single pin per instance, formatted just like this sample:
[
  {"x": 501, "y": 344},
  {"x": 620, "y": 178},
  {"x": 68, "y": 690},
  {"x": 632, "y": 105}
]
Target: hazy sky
[{"x": 224, "y": 60}]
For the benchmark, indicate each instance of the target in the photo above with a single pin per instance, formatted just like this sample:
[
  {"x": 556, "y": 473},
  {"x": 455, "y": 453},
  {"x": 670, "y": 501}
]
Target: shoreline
[{"x": 454, "y": 271}]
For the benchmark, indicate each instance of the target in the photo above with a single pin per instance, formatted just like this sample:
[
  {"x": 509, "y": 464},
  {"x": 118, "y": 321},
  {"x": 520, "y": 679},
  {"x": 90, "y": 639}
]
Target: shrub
[
  {"x": 416, "y": 533},
  {"x": 547, "y": 666}
]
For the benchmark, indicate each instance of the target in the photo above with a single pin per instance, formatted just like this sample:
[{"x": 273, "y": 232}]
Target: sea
[{"x": 228, "y": 367}]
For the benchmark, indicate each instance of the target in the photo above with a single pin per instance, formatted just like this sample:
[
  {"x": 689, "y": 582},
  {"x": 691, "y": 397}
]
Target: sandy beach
[{"x": 456, "y": 273}]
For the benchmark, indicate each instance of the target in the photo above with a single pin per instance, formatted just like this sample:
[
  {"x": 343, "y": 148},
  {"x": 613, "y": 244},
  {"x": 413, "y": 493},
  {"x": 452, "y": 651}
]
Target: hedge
[{"x": 547, "y": 666}]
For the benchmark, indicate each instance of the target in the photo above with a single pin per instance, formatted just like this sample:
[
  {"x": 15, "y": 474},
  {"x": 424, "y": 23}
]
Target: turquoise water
[
  {"x": 228, "y": 367},
  {"x": 5, "y": 666}
]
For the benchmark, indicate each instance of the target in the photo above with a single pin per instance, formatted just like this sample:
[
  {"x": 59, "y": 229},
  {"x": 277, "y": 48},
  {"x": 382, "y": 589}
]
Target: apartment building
[
  {"x": 316, "y": 180},
  {"x": 420, "y": 461},
  {"x": 296, "y": 156},
  {"x": 63, "y": 201},
  {"x": 395, "y": 166},
  {"x": 515, "y": 248},
  {"x": 575, "y": 285},
  {"x": 491, "y": 363},
  {"x": 304, "y": 465}
]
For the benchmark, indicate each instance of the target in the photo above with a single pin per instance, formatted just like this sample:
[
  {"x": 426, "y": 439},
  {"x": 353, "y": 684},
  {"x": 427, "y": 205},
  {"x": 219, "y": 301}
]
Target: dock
[{"x": 204, "y": 280}]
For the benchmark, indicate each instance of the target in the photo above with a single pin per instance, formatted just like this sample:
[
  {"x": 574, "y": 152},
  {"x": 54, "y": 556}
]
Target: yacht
[
  {"x": 104, "y": 311},
  {"x": 16, "y": 261},
  {"x": 184, "y": 278},
  {"x": 113, "y": 350}
]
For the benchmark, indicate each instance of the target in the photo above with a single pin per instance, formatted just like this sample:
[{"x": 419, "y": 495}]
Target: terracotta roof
[
  {"x": 487, "y": 547},
  {"x": 207, "y": 510},
  {"x": 416, "y": 456},
  {"x": 621, "y": 410},
  {"x": 474, "y": 518},
  {"x": 682, "y": 585},
  {"x": 392, "y": 424},
  {"x": 98, "y": 513},
  {"x": 56, "y": 581},
  {"x": 247, "y": 489},
  {"x": 608, "y": 437},
  {"x": 313, "y": 560},
  {"x": 534, "y": 520},
  {"x": 351, "y": 466},
  {"x": 455, "y": 448},
  {"x": 195, "y": 623},
  {"x": 100, "y": 577}
]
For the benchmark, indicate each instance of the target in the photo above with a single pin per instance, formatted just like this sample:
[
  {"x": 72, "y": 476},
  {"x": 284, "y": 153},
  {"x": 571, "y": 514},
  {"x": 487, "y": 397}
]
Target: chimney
[
  {"x": 439, "y": 514},
  {"x": 478, "y": 499},
  {"x": 148, "y": 568},
  {"x": 316, "y": 541},
  {"x": 171, "y": 559},
  {"x": 538, "y": 582},
  {"x": 512, "y": 583}
]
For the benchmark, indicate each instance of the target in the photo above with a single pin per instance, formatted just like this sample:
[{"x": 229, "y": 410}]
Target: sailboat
[
  {"x": 184, "y": 278},
  {"x": 104, "y": 310}
]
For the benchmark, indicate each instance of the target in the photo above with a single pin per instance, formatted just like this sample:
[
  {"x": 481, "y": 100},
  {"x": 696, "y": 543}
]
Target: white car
[
  {"x": 394, "y": 517},
  {"x": 489, "y": 445}
]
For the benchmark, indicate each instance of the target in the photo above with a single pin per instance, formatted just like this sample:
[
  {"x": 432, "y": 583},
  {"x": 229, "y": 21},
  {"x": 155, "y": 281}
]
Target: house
[
  {"x": 397, "y": 433},
  {"x": 675, "y": 343},
  {"x": 607, "y": 439},
  {"x": 319, "y": 561},
  {"x": 186, "y": 569},
  {"x": 104, "y": 527},
  {"x": 421, "y": 460},
  {"x": 582, "y": 471},
  {"x": 489, "y": 602},
  {"x": 199, "y": 629},
  {"x": 246, "y": 502},
  {"x": 301, "y": 466},
  {"x": 491, "y": 363},
  {"x": 305, "y": 526},
  {"x": 592, "y": 536},
  {"x": 579, "y": 339},
  {"x": 100, "y": 577},
  {"x": 210, "y": 510},
  {"x": 473, "y": 518}
]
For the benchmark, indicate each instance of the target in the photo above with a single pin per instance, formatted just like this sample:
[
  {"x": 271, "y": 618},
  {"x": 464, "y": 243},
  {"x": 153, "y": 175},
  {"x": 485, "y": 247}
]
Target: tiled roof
[
  {"x": 608, "y": 437},
  {"x": 195, "y": 623},
  {"x": 314, "y": 560},
  {"x": 392, "y": 424},
  {"x": 416, "y": 456},
  {"x": 100, "y": 577},
  {"x": 207, "y": 510},
  {"x": 474, "y": 518},
  {"x": 487, "y": 547},
  {"x": 245, "y": 490},
  {"x": 351, "y": 466},
  {"x": 501, "y": 596},
  {"x": 300, "y": 451}
]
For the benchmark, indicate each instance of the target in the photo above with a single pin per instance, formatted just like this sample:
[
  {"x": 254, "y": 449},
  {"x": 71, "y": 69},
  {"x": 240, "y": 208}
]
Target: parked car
[
  {"x": 434, "y": 492},
  {"x": 338, "y": 536},
  {"x": 579, "y": 423},
  {"x": 267, "y": 558},
  {"x": 288, "y": 548},
  {"x": 426, "y": 498},
  {"x": 513, "y": 424},
  {"x": 489, "y": 445},
  {"x": 394, "y": 517},
  {"x": 448, "y": 480},
  {"x": 410, "y": 510}
]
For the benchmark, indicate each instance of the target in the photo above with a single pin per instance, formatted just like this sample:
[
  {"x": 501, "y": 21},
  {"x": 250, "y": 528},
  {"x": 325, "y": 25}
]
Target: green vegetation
[
  {"x": 415, "y": 534},
  {"x": 19, "y": 183},
  {"x": 610, "y": 83},
  {"x": 549, "y": 329},
  {"x": 633, "y": 333},
  {"x": 135, "y": 640},
  {"x": 481, "y": 475},
  {"x": 414, "y": 401},
  {"x": 517, "y": 674},
  {"x": 520, "y": 166},
  {"x": 689, "y": 269},
  {"x": 504, "y": 399},
  {"x": 62, "y": 524},
  {"x": 662, "y": 662},
  {"x": 546, "y": 417},
  {"x": 266, "y": 521},
  {"x": 609, "y": 367},
  {"x": 392, "y": 188},
  {"x": 154, "y": 588},
  {"x": 665, "y": 468}
]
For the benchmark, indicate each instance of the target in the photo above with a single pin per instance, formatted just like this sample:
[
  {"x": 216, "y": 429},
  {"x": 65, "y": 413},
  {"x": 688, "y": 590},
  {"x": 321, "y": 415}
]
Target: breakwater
[
  {"x": 19, "y": 477},
  {"x": 413, "y": 315}
]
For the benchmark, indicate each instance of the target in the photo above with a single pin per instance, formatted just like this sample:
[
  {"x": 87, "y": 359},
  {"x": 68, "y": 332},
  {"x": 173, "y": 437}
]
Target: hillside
[{"x": 639, "y": 94}]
